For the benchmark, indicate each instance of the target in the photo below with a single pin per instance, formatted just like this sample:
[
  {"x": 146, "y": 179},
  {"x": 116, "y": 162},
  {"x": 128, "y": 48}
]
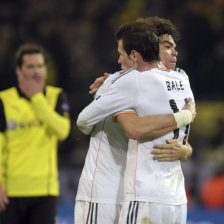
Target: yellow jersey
[{"x": 31, "y": 133}]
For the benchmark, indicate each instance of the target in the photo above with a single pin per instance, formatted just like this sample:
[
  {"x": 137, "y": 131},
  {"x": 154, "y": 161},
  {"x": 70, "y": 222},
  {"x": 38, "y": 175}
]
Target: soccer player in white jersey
[
  {"x": 168, "y": 36},
  {"x": 107, "y": 170},
  {"x": 154, "y": 192}
]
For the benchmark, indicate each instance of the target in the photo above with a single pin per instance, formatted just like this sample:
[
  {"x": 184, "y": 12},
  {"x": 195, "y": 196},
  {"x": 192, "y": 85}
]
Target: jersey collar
[{"x": 22, "y": 95}]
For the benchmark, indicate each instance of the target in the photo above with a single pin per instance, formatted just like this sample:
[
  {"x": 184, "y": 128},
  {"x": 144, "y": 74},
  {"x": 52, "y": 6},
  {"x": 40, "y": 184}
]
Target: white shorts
[
  {"x": 96, "y": 213},
  {"x": 136, "y": 212}
]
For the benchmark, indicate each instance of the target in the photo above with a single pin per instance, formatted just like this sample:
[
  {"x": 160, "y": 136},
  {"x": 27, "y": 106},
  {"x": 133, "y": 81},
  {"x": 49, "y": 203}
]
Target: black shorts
[{"x": 30, "y": 210}]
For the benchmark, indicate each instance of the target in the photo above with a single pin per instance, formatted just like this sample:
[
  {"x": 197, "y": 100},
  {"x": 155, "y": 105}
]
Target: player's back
[{"x": 160, "y": 92}]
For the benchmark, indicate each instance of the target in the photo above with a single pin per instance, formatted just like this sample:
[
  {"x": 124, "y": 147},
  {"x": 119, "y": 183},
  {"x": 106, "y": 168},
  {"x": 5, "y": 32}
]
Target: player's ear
[
  {"x": 135, "y": 56},
  {"x": 18, "y": 70},
  {"x": 134, "y": 53}
]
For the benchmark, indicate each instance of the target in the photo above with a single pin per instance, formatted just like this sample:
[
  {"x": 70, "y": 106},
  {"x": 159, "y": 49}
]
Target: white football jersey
[
  {"x": 102, "y": 178},
  {"x": 160, "y": 92},
  {"x": 152, "y": 92}
]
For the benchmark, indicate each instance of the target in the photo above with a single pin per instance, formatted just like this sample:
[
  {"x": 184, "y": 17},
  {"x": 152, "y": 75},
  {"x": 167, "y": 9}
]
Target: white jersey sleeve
[{"x": 120, "y": 95}]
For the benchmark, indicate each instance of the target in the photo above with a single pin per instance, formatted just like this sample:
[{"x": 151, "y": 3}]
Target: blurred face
[
  {"x": 167, "y": 51},
  {"x": 33, "y": 67},
  {"x": 126, "y": 61}
]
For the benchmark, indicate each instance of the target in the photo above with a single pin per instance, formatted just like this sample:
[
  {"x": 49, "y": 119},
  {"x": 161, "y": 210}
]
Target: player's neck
[{"x": 147, "y": 66}]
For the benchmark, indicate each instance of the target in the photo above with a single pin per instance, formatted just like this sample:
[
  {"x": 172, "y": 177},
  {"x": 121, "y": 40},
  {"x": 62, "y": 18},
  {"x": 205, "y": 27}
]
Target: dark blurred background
[{"x": 79, "y": 37}]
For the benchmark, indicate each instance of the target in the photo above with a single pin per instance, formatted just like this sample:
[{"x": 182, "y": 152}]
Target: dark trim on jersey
[
  {"x": 62, "y": 104},
  {"x": 122, "y": 74},
  {"x": 132, "y": 212},
  {"x": 180, "y": 70},
  {"x": 186, "y": 132},
  {"x": 21, "y": 94},
  {"x": 91, "y": 216},
  {"x": 2, "y": 117}
]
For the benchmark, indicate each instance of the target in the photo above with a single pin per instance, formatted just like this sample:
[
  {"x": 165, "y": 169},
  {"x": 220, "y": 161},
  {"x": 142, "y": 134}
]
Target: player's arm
[
  {"x": 117, "y": 98},
  {"x": 102, "y": 107},
  {"x": 148, "y": 127},
  {"x": 151, "y": 127},
  {"x": 172, "y": 151},
  {"x": 3, "y": 197},
  {"x": 57, "y": 120}
]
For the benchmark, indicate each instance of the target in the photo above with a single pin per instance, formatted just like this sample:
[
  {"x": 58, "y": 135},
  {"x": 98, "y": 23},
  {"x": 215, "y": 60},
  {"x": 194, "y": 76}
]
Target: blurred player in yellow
[{"x": 33, "y": 118}]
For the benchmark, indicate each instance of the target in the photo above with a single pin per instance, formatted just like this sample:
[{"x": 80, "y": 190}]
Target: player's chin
[{"x": 172, "y": 65}]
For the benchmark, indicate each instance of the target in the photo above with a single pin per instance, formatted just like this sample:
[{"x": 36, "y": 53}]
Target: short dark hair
[
  {"x": 139, "y": 36},
  {"x": 28, "y": 48},
  {"x": 162, "y": 26}
]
